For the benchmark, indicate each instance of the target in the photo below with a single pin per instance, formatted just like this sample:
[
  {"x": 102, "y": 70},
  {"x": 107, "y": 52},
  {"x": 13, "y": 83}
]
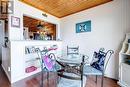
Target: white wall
[
  {"x": 110, "y": 22},
  {"x": 21, "y": 9}
]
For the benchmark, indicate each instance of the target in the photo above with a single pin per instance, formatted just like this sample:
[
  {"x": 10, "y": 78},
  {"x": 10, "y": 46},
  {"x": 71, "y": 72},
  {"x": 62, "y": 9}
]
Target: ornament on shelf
[{"x": 126, "y": 45}]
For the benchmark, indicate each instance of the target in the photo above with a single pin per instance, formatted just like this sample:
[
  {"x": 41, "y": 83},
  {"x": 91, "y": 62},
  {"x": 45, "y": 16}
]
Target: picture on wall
[
  {"x": 15, "y": 22},
  {"x": 83, "y": 27}
]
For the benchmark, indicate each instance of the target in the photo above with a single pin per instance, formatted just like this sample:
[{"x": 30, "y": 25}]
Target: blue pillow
[{"x": 100, "y": 59}]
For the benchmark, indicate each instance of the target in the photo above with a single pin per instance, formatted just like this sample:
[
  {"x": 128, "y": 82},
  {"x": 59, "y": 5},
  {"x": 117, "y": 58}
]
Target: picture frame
[
  {"x": 83, "y": 27},
  {"x": 7, "y": 7},
  {"x": 15, "y": 22},
  {"x": 3, "y": 8}
]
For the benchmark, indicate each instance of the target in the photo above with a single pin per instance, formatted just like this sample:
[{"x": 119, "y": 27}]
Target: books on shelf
[{"x": 30, "y": 49}]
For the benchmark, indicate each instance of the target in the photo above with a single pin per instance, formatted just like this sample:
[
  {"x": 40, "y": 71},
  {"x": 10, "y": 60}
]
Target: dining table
[{"x": 71, "y": 69}]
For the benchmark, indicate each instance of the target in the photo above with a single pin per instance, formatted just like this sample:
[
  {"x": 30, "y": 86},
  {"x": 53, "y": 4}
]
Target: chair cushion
[
  {"x": 49, "y": 63},
  {"x": 89, "y": 70},
  {"x": 64, "y": 82}
]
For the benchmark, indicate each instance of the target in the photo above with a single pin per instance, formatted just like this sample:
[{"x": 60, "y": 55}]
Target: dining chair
[
  {"x": 73, "y": 52},
  {"x": 99, "y": 64},
  {"x": 47, "y": 61}
]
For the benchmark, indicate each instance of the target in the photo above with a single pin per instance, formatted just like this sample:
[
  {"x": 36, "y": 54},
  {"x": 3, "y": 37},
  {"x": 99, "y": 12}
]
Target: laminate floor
[{"x": 35, "y": 81}]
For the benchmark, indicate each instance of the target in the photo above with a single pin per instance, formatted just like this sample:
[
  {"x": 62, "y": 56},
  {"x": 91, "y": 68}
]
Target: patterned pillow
[
  {"x": 49, "y": 63},
  {"x": 99, "y": 59}
]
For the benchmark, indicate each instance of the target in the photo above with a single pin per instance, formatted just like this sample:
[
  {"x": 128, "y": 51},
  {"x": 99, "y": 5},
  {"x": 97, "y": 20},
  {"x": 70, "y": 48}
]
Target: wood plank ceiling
[
  {"x": 3, "y": 16},
  {"x": 32, "y": 23},
  {"x": 62, "y": 8}
]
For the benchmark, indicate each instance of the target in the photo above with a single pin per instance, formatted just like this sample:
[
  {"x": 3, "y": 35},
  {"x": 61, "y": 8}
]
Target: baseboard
[
  {"x": 122, "y": 84},
  {"x": 111, "y": 77},
  {"x": 9, "y": 78}
]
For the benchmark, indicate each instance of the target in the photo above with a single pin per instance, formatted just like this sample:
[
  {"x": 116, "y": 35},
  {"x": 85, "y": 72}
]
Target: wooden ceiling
[
  {"x": 32, "y": 23},
  {"x": 3, "y": 16},
  {"x": 62, "y": 8}
]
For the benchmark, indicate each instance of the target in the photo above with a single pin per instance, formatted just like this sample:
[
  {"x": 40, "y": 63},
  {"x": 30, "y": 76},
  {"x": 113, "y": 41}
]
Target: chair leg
[
  {"x": 82, "y": 83},
  {"x": 47, "y": 78},
  {"x": 96, "y": 79},
  {"x": 81, "y": 80},
  {"x": 102, "y": 81},
  {"x": 41, "y": 84},
  {"x": 86, "y": 78}
]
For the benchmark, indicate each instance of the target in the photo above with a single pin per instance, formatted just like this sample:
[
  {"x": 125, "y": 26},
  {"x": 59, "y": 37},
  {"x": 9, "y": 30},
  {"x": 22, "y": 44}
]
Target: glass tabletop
[{"x": 70, "y": 59}]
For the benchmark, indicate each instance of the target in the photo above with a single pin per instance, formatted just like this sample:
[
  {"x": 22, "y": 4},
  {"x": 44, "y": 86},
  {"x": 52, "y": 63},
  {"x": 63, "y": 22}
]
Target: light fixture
[
  {"x": 40, "y": 26},
  {"x": 44, "y": 14}
]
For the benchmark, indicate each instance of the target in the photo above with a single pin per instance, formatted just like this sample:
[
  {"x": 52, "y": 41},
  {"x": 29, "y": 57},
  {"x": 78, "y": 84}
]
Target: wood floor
[{"x": 34, "y": 81}]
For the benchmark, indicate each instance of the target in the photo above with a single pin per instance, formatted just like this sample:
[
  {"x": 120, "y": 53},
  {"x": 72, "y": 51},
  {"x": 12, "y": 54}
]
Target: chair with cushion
[{"x": 98, "y": 65}]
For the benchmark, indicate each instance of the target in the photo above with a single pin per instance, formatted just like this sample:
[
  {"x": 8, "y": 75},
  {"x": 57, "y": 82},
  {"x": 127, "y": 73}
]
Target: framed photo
[
  {"x": 3, "y": 8},
  {"x": 15, "y": 22},
  {"x": 83, "y": 27},
  {"x": 7, "y": 7}
]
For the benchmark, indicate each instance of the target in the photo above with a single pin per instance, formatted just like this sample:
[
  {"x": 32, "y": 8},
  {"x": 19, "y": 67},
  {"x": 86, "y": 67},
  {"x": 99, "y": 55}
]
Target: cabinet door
[{"x": 125, "y": 75}]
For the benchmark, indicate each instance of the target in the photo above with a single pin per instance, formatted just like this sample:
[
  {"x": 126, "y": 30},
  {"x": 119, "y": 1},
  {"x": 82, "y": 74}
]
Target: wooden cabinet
[{"x": 125, "y": 74}]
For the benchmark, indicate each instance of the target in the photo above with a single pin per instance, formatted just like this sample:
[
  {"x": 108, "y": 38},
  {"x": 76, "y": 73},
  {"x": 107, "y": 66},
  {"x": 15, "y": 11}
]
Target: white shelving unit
[
  {"x": 124, "y": 67},
  {"x": 32, "y": 59},
  {"x": 20, "y": 59}
]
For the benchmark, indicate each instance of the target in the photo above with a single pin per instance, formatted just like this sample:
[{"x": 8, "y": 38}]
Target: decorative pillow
[
  {"x": 49, "y": 63},
  {"x": 99, "y": 59}
]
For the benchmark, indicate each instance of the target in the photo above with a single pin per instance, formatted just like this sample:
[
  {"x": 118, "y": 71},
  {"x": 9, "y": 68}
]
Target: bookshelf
[
  {"x": 124, "y": 63},
  {"x": 32, "y": 60}
]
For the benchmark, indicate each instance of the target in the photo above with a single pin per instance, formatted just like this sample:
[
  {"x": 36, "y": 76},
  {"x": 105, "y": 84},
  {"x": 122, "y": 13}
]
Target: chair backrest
[
  {"x": 99, "y": 59},
  {"x": 72, "y": 50},
  {"x": 47, "y": 60},
  {"x": 108, "y": 54}
]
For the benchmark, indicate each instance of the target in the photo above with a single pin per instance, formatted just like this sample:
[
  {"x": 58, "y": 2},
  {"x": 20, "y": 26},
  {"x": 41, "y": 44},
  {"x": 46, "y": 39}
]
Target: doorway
[
  {"x": 35, "y": 29},
  {"x": 1, "y": 38}
]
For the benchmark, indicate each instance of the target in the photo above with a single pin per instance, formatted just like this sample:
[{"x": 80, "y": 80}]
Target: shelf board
[
  {"x": 122, "y": 84},
  {"x": 32, "y": 73},
  {"x": 125, "y": 54},
  {"x": 125, "y": 64},
  {"x": 34, "y": 53},
  {"x": 32, "y": 60}
]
